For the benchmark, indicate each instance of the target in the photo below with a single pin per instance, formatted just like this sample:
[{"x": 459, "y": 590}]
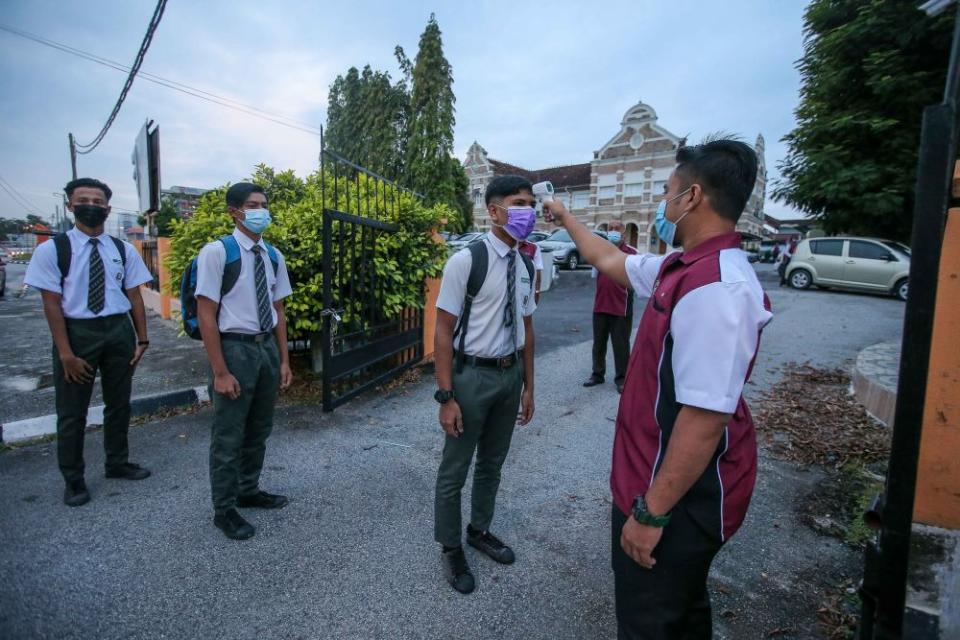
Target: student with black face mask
[{"x": 90, "y": 285}]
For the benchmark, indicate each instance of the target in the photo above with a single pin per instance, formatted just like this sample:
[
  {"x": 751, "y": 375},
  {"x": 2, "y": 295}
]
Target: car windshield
[
  {"x": 560, "y": 235},
  {"x": 468, "y": 236},
  {"x": 897, "y": 246}
]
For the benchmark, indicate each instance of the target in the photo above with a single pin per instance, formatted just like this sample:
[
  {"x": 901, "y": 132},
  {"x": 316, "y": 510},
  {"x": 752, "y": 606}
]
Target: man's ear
[{"x": 696, "y": 195}]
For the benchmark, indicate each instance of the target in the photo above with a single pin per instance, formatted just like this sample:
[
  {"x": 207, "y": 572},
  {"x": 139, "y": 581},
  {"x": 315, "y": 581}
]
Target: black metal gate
[{"x": 363, "y": 346}]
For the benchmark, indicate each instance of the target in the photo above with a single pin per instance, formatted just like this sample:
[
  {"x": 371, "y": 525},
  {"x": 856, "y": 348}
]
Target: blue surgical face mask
[
  {"x": 667, "y": 229},
  {"x": 256, "y": 220},
  {"x": 615, "y": 237}
]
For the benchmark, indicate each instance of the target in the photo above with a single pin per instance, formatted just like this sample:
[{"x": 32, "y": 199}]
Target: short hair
[
  {"x": 92, "y": 183},
  {"x": 237, "y": 194},
  {"x": 727, "y": 171},
  {"x": 503, "y": 186}
]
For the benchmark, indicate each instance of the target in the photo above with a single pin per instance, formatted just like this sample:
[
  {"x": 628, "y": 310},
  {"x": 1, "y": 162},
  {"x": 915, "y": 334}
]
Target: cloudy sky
[{"x": 536, "y": 87}]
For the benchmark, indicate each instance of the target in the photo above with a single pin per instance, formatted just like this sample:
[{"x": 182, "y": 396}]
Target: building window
[
  {"x": 477, "y": 198},
  {"x": 581, "y": 200},
  {"x": 633, "y": 190},
  {"x": 658, "y": 186},
  {"x": 607, "y": 193}
]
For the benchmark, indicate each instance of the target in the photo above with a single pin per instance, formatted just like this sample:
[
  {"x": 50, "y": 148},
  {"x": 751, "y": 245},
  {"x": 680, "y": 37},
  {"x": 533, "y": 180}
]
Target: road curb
[
  {"x": 41, "y": 426},
  {"x": 875, "y": 380}
]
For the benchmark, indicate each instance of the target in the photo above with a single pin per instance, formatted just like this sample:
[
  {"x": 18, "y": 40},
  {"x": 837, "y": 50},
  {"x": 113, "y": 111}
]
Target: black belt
[
  {"x": 494, "y": 363},
  {"x": 245, "y": 337}
]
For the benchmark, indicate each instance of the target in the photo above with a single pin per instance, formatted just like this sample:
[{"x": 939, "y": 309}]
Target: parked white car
[{"x": 862, "y": 264}]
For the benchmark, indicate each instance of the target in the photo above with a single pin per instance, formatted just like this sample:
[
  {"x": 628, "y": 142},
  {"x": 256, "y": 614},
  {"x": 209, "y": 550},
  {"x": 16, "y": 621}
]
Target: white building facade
[{"x": 624, "y": 181}]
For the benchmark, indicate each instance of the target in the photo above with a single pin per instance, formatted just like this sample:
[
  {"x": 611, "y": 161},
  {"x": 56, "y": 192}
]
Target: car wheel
[
  {"x": 573, "y": 261},
  {"x": 901, "y": 289},
  {"x": 801, "y": 279}
]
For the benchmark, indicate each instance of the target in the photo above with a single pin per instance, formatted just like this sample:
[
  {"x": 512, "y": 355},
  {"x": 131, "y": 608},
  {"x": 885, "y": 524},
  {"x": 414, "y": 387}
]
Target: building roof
[{"x": 573, "y": 175}]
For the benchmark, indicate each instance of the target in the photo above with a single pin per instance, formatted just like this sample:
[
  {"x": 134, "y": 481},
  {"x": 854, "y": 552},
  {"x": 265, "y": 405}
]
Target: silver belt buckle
[
  {"x": 260, "y": 337},
  {"x": 506, "y": 362}
]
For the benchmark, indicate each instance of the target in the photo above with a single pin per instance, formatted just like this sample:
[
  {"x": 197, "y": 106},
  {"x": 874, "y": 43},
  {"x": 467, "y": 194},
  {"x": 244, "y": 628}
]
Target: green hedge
[{"x": 403, "y": 259}]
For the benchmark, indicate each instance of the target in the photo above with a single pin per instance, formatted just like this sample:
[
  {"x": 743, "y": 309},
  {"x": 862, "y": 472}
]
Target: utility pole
[{"x": 73, "y": 154}]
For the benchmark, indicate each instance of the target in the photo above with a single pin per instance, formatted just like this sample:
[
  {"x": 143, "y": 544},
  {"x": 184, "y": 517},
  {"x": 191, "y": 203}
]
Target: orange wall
[{"x": 938, "y": 479}]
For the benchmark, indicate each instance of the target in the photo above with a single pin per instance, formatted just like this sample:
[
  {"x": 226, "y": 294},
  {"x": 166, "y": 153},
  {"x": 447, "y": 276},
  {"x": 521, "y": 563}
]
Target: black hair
[
  {"x": 503, "y": 186},
  {"x": 726, "y": 169},
  {"x": 93, "y": 183},
  {"x": 237, "y": 194}
]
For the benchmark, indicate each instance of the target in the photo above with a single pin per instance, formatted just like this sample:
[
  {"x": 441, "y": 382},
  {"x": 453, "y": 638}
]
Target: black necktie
[
  {"x": 263, "y": 300},
  {"x": 509, "y": 315},
  {"x": 95, "y": 290}
]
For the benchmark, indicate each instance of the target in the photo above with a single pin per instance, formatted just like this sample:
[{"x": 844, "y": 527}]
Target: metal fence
[{"x": 148, "y": 250}]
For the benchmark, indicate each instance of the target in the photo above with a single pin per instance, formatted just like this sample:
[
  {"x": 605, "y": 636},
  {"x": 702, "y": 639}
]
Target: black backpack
[
  {"x": 478, "y": 273},
  {"x": 64, "y": 252}
]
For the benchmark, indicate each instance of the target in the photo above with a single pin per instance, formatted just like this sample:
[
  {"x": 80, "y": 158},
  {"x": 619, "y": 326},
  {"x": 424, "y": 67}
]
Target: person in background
[
  {"x": 785, "y": 256},
  {"x": 685, "y": 449},
  {"x": 90, "y": 293},
  {"x": 612, "y": 318}
]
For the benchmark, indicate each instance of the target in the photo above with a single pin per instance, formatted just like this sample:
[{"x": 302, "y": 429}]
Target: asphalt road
[{"x": 352, "y": 556}]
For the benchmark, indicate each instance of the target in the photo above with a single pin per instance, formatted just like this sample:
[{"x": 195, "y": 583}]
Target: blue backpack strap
[{"x": 231, "y": 264}]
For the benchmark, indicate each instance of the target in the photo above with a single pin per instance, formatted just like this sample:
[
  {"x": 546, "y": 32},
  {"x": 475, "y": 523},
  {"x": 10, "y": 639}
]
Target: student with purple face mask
[{"x": 484, "y": 368}]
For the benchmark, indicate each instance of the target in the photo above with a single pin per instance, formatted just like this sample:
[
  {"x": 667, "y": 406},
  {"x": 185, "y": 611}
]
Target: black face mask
[{"x": 90, "y": 215}]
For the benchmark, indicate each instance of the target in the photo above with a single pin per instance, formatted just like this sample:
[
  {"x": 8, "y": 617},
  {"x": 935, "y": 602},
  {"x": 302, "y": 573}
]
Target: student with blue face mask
[{"x": 245, "y": 335}]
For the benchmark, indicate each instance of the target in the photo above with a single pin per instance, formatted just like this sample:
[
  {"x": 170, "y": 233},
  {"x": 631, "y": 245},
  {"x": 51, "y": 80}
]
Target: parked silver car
[
  {"x": 862, "y": 264},
  {"x": 564, "y": 250},
  {"x": 463, "y": 240}
]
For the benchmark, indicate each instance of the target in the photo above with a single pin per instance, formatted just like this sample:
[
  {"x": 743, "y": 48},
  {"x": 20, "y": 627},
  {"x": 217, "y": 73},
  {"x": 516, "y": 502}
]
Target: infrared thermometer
[{"x": 543, "y": 192}]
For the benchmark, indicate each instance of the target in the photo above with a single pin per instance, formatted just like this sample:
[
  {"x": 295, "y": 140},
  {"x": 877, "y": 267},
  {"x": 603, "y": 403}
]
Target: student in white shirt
[
  {"x": 244, "y": 332},
  {"x": 88, "y": 302}
]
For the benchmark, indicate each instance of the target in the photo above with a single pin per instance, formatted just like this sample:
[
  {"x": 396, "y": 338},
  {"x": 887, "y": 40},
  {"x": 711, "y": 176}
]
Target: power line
[
  {"x": 208, "y": 96},
  {"x": 147, "y": 38},
  {"x": 18, "y": 197}
]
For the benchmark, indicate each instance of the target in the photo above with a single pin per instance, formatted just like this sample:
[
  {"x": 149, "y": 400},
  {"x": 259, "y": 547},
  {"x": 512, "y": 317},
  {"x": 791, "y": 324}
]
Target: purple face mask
[{"x": 520, "y": 222}]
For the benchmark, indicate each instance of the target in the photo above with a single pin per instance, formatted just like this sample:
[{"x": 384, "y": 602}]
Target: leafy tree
[
  {"x": 869, "y": 69},
  {"x": 9, "y": 227},
  {"x": 366, "y": 119},
  {"x": 165, "y": 216},
  {"x": 35, "y": 219},
  {"x": 404, "y": 129}
]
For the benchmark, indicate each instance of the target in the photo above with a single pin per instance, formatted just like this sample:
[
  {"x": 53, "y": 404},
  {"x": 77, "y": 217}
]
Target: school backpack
[
  {"x": 478, "y": 273},
  {"x": 231, "y": 272},
  {"x": 61, "y": 243}
]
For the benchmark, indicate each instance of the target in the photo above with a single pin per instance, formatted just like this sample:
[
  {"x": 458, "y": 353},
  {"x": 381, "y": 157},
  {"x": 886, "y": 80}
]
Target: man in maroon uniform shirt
[
  {"x": 685, "y": 452},
  {"x": 612, "y": 318}
]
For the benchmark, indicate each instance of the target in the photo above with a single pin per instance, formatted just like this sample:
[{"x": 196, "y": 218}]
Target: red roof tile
[{"x": 574, "y": 175}]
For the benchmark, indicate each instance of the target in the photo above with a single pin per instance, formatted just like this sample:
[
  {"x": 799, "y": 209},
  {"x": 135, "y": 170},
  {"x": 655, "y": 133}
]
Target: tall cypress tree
[
  {"x": 430, "y": 167},
  {"x": 869, "y": 68}
]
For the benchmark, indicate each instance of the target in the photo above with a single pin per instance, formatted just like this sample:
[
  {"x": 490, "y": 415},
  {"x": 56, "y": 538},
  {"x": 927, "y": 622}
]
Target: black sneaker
[
  {"x": 458, "y": 571},
  {"x": 262, "y": 500},
  {"x": 76, "y": 494},
  {"x": 233, "y": 525},
  {"x": 593, "y": 381},
  {"x": 490, "y": 545},
  {"x": 128, "y": 471}
]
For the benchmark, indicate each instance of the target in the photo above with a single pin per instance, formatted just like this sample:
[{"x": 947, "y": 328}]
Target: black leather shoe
[
  {"x": 458, "y": 571},
  {"x": 490, "y": 545},
  {"x": 262, "y": 500},
  {"x": 76, "y": 494},
  {"x": 619, "y": 388},
  {"x": 593, "y": 381},
  {"x": 233, "y": 525},
  {"x": 128, "y": 471}
]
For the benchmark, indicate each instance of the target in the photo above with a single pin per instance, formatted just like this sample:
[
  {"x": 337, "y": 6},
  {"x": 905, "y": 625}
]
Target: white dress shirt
[
  {"x": 238, "y": 309},
  {"x": 487, "y": 337},
  {"x": 43, "y": 272}
]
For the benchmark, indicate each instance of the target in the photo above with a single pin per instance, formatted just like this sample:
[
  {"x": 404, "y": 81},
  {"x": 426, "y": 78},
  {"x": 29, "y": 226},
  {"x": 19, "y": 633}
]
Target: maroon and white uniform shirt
[
  {"x": 696, "y": 345},
  {"x": 612, "y": 298}
]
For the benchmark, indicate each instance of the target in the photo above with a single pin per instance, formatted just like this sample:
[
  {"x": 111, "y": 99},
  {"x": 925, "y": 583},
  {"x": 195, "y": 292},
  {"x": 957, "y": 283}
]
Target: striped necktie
[
  {"x": 509, "y": 314},
  {"x": 95, "y": 292},
  {"x": 263, "y": 299}
]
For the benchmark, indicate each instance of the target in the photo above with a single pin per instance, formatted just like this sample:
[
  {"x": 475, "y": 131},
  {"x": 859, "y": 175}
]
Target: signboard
[{"x": 146, "y": 167}]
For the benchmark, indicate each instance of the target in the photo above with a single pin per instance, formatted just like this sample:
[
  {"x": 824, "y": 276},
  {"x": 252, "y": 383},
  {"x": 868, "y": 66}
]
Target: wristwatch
[
  {"x": 642, "y": 515},
  {"x": 443, "y": 396}
]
